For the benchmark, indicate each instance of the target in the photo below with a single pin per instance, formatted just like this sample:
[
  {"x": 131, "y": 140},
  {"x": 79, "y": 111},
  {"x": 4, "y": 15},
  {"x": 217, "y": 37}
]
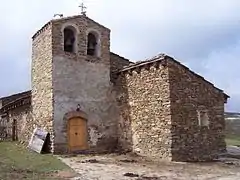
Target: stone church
[{"x": 94, "y": 101}]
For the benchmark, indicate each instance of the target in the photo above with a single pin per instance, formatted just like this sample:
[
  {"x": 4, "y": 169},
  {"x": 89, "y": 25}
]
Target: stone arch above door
[{"x": 73, "y": 114}]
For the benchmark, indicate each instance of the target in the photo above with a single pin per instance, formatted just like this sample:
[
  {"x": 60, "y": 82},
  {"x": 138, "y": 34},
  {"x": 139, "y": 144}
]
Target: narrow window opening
[
  {"x": 92, "y": 45},
  {"x": 203, "y": 119},
  {"x": 69, "y": 40}
]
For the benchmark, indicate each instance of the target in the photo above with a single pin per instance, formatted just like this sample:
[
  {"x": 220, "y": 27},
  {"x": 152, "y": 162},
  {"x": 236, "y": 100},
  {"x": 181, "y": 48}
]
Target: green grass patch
[
  {"x": 233, "y": 140},
  {"x": 18, "y": 162}
]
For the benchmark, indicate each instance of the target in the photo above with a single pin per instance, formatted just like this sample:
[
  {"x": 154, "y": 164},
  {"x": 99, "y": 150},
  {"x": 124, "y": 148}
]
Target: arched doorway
[{"x": 77, "y": 134}]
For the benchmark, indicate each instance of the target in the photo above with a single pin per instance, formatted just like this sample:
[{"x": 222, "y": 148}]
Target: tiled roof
[{"x": 15, "y": 100}]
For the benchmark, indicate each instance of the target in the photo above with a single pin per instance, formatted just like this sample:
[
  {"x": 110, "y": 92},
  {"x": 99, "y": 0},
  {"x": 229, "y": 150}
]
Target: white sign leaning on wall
[{"x": 37, "y": 140}]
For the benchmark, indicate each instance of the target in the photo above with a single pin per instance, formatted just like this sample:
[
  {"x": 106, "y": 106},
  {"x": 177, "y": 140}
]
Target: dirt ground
[{"x": 127, "y": 167}]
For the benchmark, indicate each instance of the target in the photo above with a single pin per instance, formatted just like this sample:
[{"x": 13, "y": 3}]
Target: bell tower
[
  {"x": 79, "y": 37},
  {"x": 71, "y": 67}
]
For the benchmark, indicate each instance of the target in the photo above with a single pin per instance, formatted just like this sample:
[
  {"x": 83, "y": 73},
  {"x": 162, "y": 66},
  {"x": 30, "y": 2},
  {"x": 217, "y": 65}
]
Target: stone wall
[
  {"x": 83, "y": 25},
  {"x": 116, "y": 63},
  {"x": 125, "y": 143},
  {"x": 42, "y": 88},
  {"x": 189, "y": 93},
  {"x": 144, "y": 101},
  {"x": 84, "y": 80},
  {"x": 25, "y": 125},
  {"x": 17, "y": 107}
]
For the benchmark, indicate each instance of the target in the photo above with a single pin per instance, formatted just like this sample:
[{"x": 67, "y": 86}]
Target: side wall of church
[
  {"x": 24, "y": 123},
  {"x": 42, "y": 89},
  {"x": 144, "y": 100},
  {"x": 84, "y": 80},
  {"x": 189, "y": 94}
]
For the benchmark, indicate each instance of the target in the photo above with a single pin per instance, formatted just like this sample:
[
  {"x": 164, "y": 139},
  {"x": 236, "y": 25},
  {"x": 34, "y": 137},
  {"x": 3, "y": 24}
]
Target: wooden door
[
  {"x": 14, "y": 130},
  {"x": 77, "y": 134}
]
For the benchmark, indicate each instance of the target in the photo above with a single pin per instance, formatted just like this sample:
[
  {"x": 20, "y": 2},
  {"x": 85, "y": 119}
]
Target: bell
[
  {"x": 68, "y": 42},
  {"x": 91, "y": 46}
]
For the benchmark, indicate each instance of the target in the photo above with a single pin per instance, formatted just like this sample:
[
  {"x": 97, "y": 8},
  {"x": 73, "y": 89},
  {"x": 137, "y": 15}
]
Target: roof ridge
[
  {"x": 14, "y": 94},
  {"x": 38, "y": 32},
  {"x": 155, "y": 58},
  {"x": 16, "y": 100},
  {"x": 162, "y": 56}
]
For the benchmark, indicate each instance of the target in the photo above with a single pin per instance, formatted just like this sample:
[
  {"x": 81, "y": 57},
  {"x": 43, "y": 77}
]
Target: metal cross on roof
[{"x": 83, "y": 11}]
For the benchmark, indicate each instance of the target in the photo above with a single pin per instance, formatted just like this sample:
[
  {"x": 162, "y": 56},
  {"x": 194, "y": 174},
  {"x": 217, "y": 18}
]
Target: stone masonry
[
  {"x": 149, "y": 123},
  {"x": 189, "y": 93},
  {"x": 159, "y": 99},
  {"x": 42, "y": 86},
  {"x": 17, "y": 107},
  {"x": 156, "y": 108},
  {"x": 66, "y": 76},
  {"x": 116, "y": 64},
  {"x": 24, "y": 125}
]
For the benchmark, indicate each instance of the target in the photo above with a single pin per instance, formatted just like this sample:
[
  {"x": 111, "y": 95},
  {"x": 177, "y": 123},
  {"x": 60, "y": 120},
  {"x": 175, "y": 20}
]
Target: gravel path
[{"x": 126, "y": 167}]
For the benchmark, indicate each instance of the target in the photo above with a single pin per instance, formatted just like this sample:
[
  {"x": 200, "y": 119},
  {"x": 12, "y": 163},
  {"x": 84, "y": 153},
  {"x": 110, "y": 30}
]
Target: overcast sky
[{"x": 202, "y": 34}]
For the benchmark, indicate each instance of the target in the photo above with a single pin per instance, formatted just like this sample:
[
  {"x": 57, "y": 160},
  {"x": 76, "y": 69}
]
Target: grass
[
  {"x": 17, "y": 162},
  {"x": 233, "y": 140}
]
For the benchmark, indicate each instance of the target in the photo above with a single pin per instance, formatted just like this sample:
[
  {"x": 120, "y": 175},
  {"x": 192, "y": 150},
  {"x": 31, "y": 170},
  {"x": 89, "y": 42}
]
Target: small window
[
  {"x": 69, "y": 39},
  {"x": 203, "y": 119},
  {"x": 92, "y": 45}
]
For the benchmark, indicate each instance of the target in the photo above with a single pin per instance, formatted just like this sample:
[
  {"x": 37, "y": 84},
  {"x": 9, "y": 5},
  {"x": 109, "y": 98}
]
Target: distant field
[{"x": 233, "y": 140}]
